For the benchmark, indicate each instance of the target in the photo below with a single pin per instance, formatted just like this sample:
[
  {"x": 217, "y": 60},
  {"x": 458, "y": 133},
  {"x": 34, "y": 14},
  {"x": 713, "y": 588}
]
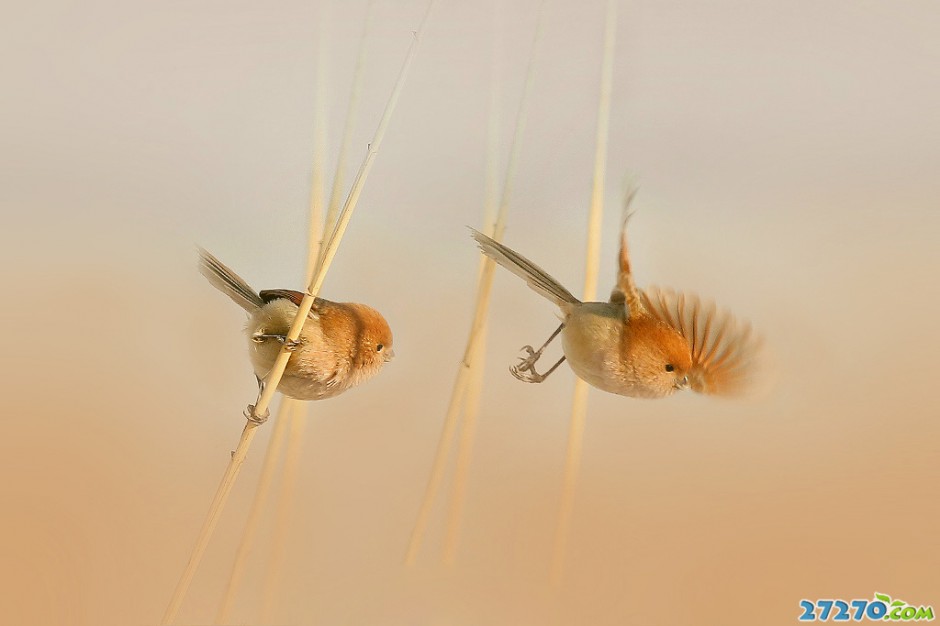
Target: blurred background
[{"x": 786, "y": 155}]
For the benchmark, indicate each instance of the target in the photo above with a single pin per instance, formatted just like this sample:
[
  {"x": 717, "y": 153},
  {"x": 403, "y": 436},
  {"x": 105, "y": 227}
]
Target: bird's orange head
[{"x": 658, "y": 356}]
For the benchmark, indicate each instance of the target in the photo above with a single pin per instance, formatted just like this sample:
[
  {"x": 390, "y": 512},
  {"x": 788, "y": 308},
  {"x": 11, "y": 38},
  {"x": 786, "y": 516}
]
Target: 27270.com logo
[{"x": 882, "y": 608}]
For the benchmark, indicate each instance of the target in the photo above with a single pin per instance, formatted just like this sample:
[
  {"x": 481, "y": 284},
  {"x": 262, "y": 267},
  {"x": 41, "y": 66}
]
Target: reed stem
[
  {"x": 339, "y": 178},
  {"x": 484, "y": 286},
  {"x": 296, "y": 418},
  {"x": 257, "y": 506},
  {"x": 315, "y": 237},
  {"x": 277, "y": 371},
  {"x": 472, "y": 399},
  {"x": 592, "y": 262}
]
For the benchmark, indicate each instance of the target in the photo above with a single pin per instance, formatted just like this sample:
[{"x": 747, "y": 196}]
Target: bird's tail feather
[
  {"x": 537, "y": 278},
  {"x": 228, "y": 282}
]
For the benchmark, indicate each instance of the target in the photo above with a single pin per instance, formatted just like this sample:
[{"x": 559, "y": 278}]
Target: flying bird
[{"x": 641, "y": 343}]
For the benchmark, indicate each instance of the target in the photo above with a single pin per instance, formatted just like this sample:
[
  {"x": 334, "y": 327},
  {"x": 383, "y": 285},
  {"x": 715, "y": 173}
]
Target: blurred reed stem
[
  {"x": 257, "y": 506},
  {"x": 477, "y": 366},
  {"x": 484, "y": 286},
  {"x": 339, "y": 178},
  {"x": 592, "y": 262},
  {"x": 315, "y": 241},
  {"x": 274, "y": 376},
  {"x": 296, "y": 420}
]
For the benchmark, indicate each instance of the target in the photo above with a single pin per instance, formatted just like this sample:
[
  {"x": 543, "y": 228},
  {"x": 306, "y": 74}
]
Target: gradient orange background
[{"x": 787, "y": 157}]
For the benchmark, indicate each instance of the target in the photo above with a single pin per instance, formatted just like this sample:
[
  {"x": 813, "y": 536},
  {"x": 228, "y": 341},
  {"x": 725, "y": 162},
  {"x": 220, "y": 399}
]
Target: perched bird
[
  {"x": 341, "y": 344},
  {"x": 643, "y": 344}
]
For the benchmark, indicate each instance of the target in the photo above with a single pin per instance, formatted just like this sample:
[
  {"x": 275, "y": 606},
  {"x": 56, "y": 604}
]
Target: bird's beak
[
  {"x": 389, "y": 355},
  {"x": 683, "y": 383}
]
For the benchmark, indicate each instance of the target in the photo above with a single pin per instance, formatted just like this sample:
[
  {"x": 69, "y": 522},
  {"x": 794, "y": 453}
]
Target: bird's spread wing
[
  {"x": 296, "y": 297},
  {"x": 725, "y": 351},
  {"x": 626, "y": 292}
]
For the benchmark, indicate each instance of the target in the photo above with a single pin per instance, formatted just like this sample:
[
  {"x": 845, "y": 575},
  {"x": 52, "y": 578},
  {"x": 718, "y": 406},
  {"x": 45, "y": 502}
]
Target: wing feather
[
  {"x": 267, "y": 295},
  {"x": 725, "y": 351}
]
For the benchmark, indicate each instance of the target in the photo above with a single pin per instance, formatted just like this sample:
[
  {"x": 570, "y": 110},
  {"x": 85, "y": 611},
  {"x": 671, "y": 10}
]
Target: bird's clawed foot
[
  {"x": 250, "y": 413},
  {"x": 252, "y": 416},
  {"x": 525, "y": 369},
  {"x": 289, "y": 344}
]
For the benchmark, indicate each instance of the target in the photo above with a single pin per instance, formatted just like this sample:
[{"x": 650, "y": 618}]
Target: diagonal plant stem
[
  {"x": 472, "y": 399},
  {"x": 297, "y": 421},
  {"x": 339, "y": 177},
  {"x": 592, "y": 254},
  {"x": 257, "y": 506},
  {"x": 464, "y": 452},
  {"x": 212, "y": 518},
  {"x": 315, "y": 237},
  {"x": 320, "y": 124},
  {"x": 316, "y": 248},
  {"x": 479, "y": 318},
  {"x": 277, "y": 371}
]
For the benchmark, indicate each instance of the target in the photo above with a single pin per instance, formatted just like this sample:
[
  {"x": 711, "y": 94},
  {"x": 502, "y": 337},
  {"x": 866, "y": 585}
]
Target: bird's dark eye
[
  {"x": 669, "y": 367},
  {"x": 379, "y": 347}
]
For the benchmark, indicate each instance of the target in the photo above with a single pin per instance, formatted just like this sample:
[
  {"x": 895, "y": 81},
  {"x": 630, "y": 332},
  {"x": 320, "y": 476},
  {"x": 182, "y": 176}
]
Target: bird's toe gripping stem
[
  {"x": 289, "y": 344},
  {"x": 252, "y": 415}
]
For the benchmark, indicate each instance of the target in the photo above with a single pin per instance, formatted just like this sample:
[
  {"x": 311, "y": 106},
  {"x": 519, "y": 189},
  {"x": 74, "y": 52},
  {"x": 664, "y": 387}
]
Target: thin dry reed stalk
[
  {"x": 212, "y": 518},
  {"x": 297, "y": 421},
  {"x": 477, "y": 367},
  {"x": 479, "y": 317},
  {"x": 320, "y": 124},
  {"x": 315, "y": 238},
  {"x": 274, "y": 376},
  {"x": 257, "y": 506},
  {"x": 592, "y": 256},
  {"x": 465, "y": 452},
  {"x": 339, "y": 178},
  {"x": 285, "y": 494}
]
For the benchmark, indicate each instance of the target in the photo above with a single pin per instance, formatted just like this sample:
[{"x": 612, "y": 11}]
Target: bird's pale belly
[
  {"x": 307, "y": 386},
  {"x": 591, "y": 341},
  {"x": 311, "y": 373}
]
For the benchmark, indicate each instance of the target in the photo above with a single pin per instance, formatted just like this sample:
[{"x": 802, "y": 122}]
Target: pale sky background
[{"x": 786, "y": 154}]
